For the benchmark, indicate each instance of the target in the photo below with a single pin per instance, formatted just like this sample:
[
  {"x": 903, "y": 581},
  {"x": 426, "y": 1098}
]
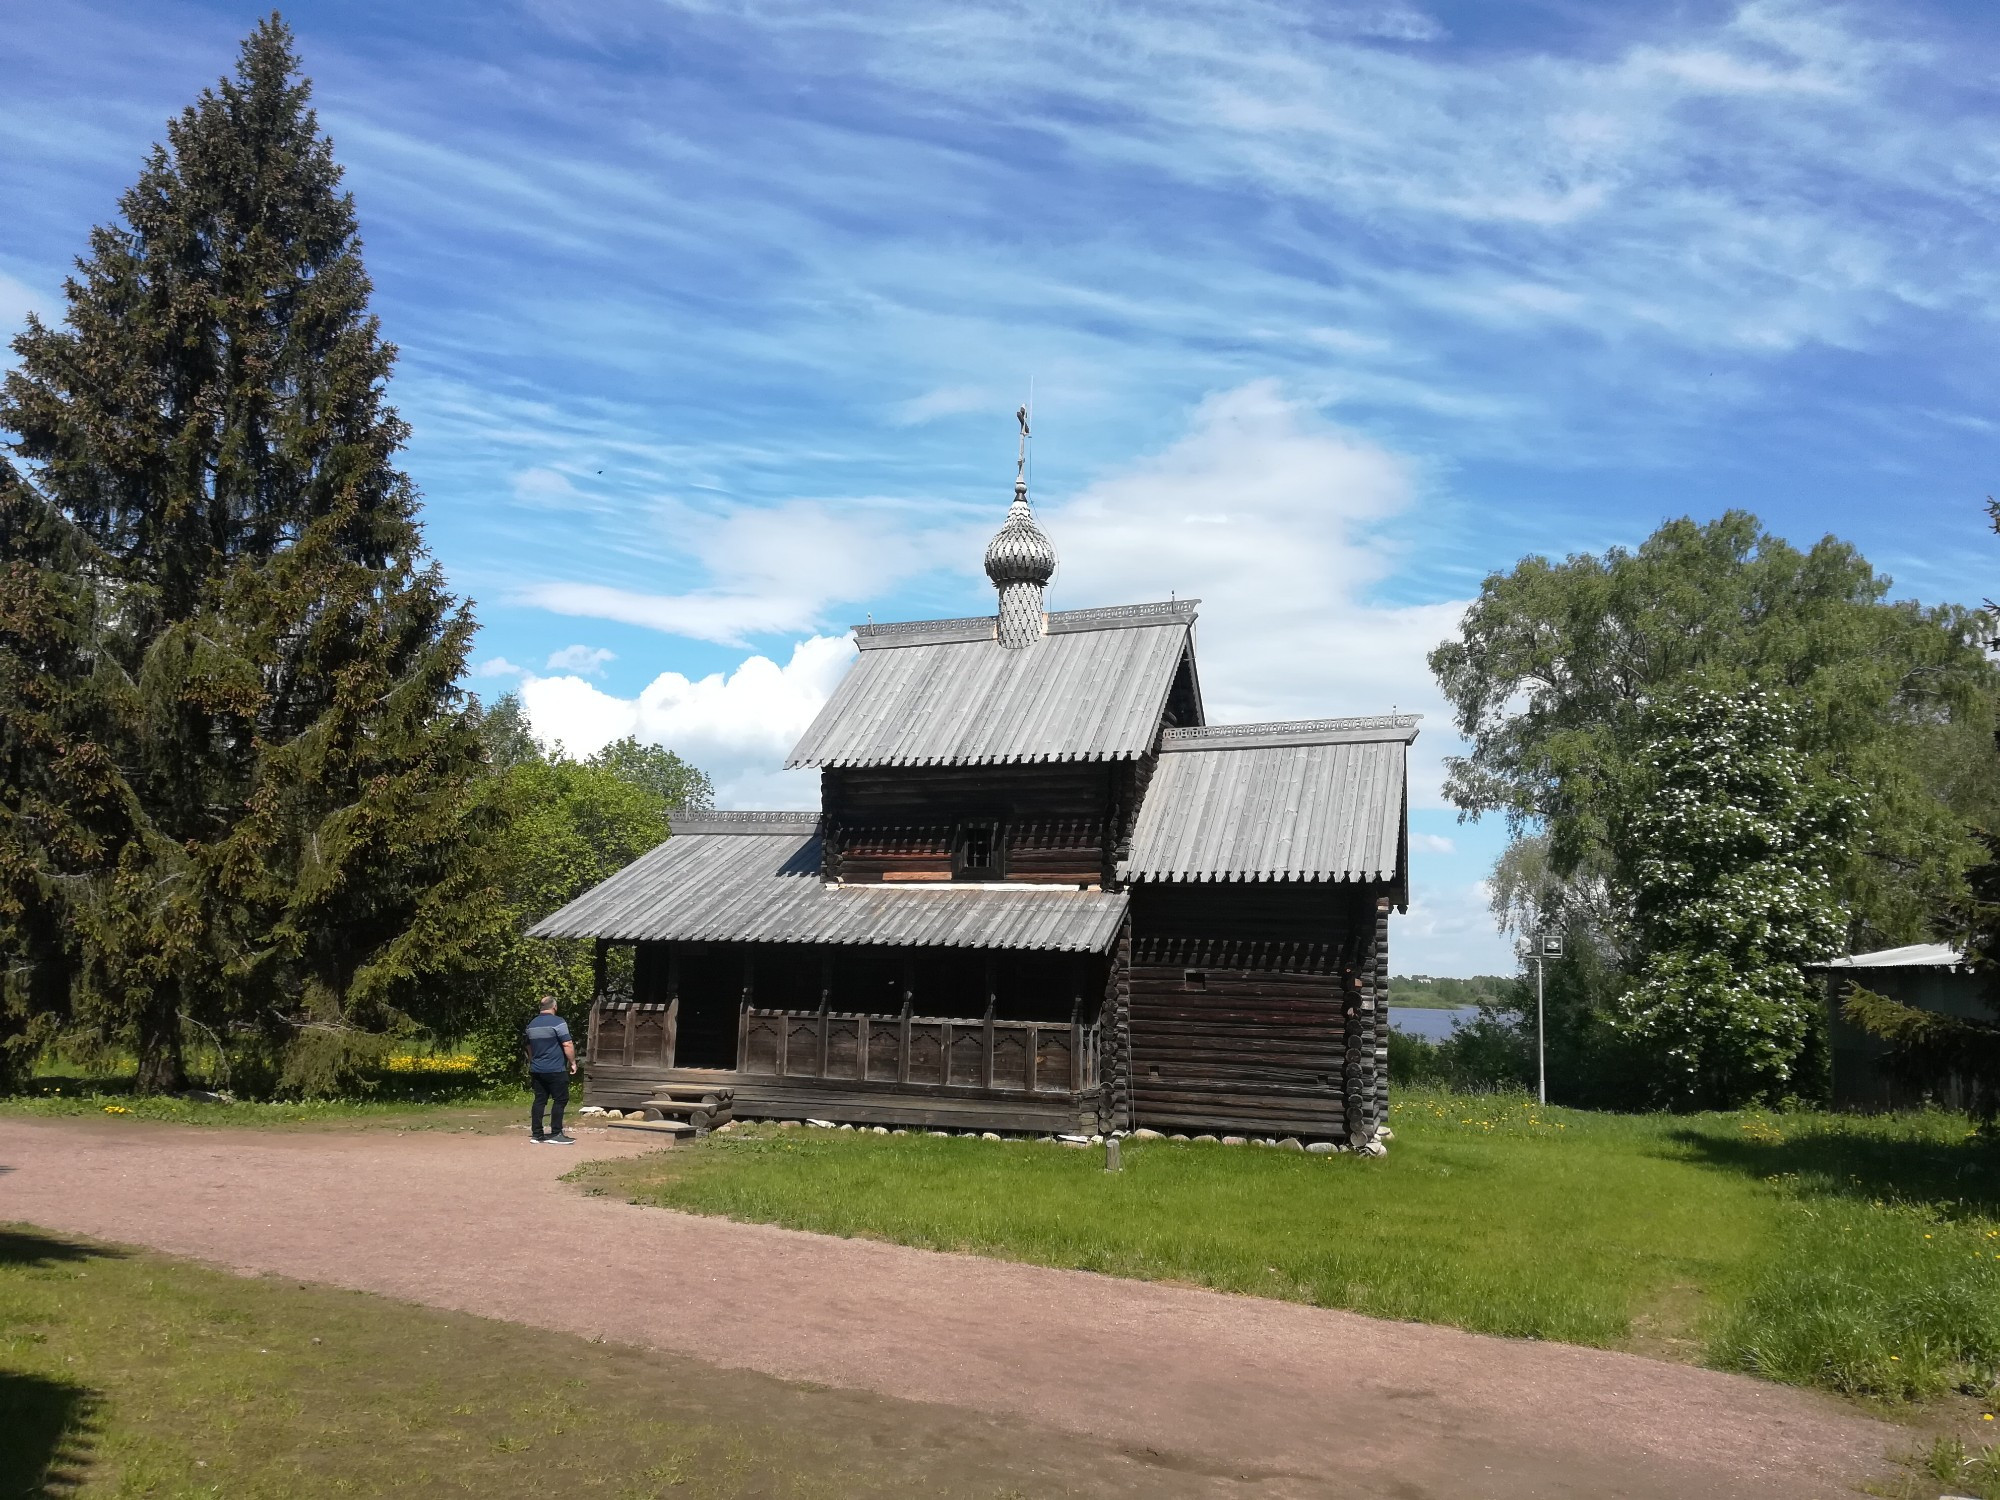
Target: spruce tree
[{"x": 273, "y": 657}]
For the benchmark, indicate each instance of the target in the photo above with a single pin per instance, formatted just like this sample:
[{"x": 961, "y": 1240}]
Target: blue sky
[{"x": 713, "y": 316}]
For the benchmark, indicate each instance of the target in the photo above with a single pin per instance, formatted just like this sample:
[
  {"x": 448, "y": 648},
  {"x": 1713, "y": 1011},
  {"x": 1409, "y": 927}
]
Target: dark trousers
[{"x": 551, "y": 1089}]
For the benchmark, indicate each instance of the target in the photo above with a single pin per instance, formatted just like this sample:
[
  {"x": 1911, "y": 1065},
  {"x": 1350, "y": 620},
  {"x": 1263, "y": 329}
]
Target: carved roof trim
[
  {"x": 873, "y": 637},
  {"x": 1358, "y": 729},
  {"x": 803, "y": 824}
]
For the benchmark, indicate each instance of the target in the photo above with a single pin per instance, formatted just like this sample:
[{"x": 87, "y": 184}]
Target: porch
[{"x": 727, "y": 1014}]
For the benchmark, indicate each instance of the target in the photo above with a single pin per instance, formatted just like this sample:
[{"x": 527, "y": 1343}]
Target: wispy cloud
[{"x": 590, "y": 661}]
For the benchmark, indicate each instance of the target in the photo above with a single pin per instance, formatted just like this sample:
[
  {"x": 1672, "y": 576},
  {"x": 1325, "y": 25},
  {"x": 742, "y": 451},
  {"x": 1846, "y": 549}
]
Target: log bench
[{"x": 698, "y": 1106}]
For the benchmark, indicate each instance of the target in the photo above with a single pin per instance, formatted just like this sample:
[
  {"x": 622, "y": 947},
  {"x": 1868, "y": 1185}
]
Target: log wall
[{"x": 1253, "y": 1010}]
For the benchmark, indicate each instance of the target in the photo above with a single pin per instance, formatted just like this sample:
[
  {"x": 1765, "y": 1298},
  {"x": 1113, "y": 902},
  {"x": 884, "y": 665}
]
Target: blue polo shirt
[{"x": 546, "y": 1035}]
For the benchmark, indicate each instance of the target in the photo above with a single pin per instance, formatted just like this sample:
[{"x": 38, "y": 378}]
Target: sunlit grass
[
  {"x": 131, "y": 1374},
  {"x": 1701, "y": 1236}
]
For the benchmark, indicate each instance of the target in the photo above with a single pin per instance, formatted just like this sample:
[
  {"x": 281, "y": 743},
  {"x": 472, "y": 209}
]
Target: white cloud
[
  {"x": 589, "y": 660},
  {"x": 736, "y": 726},
  {"x": 1431, "y": 843},
  {"x": 544, "y": 487},
  {"x": 1269, "y": 515},
  {"x": 946, "y": 401},
  {"x": 498, "y": 666},
  {"x": 770, "y": 569},
  {"x": 1449, "y": 930}
]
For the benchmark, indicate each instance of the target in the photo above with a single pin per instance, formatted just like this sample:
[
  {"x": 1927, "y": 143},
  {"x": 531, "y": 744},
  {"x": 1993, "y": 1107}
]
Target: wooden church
[{"x": 1042, "y": 894}]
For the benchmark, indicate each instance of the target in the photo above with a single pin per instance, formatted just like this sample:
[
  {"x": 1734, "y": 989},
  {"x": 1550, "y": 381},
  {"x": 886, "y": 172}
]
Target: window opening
[
  {"x": 978, "y": 852},
  {"x": 1194, "y": 979}
]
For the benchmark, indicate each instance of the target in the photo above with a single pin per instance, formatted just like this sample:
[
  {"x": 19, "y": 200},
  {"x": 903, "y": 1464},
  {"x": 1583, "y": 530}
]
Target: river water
[{"x": 1431, "y": 1025}]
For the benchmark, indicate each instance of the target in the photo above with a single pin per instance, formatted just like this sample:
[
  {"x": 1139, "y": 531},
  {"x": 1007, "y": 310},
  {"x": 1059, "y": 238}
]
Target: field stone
[
  {"x": 788, "y": 1124},
  {"x": 1320, "y": 1148},
  {"x": 1375, "y": 1148},
  {"x": 1291, "y": 1143},
  {"x": 899, "y": 1131},
  {"x": 940, "y": 1134},
  {"x": 1234, "y": 1140},
  {"x": 724, "y": 1128},
  {"x": 1147, "y": 1135},
  {"x": 878, "y": 1129},
  {"x": 844, "y": 1126},
  {"x": 820, "y": 1124},
  {"x": 1204, "y": 1140},
  {"x": 1385, "y": 1134},
  {"x": 1181, "y": 1138},
  {"x": 1075, "y": 1145},
  {"x": 1097, "y": 1140},
  {"x": 988, "y": 1135}
]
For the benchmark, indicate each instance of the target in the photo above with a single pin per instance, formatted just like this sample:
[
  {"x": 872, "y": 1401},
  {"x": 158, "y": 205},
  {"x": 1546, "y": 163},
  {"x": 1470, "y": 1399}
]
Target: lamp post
[{"x": 1546, "y": 945}]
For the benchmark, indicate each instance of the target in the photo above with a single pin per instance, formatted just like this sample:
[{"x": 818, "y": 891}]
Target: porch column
[{"x": 672, "y": 1037}]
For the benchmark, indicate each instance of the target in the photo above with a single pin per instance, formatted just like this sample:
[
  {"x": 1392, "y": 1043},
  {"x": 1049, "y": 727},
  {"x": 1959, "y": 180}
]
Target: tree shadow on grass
[
  {"x": 47, "y": 1431},
  {"x": 1956, "y": 1177},
  {"x": 29, "y": 1247}
]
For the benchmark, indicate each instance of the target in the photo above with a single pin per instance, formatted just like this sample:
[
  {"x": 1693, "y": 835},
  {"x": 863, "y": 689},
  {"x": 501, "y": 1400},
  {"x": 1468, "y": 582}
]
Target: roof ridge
[
  {"x": 1277, "y": 731},
  {"x": 1059, "y": 621},
  {"x": 736, "y": 820}
]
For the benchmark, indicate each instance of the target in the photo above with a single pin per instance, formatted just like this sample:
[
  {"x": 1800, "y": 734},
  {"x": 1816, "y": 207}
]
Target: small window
[
  {"x": 1194, "y": 979},
  {"x": 976, "y": 849}
]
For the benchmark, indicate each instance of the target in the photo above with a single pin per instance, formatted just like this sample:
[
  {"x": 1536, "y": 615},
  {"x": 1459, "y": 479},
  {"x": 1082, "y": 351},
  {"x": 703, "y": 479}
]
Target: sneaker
[
  {"x": 535, "y": 1140},
  {"x": 565, "y": 1139}
]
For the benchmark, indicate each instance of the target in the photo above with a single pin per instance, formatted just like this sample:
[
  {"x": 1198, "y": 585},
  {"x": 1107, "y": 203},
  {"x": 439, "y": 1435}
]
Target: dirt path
[{"x": 1290, "y": 1400}]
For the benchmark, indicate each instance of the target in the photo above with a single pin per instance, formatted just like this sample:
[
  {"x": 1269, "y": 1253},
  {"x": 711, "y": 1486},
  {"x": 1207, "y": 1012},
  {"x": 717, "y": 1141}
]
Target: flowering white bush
[{"x": 1733, "y": 842}]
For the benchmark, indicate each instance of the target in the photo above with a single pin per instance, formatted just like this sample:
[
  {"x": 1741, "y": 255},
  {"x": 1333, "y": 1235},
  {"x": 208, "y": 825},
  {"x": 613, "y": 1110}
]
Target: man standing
[{"x": 551, "y": 1060}]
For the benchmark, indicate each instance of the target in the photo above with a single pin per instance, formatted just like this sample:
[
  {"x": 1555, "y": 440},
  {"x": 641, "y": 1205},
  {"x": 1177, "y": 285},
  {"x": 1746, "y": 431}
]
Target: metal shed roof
[
  {"x": 1910, "y": 956},
  {"x": 741, "y": 882},
  {"x": 1312, "y": 799},
  {"x": 945, "y": 692}
]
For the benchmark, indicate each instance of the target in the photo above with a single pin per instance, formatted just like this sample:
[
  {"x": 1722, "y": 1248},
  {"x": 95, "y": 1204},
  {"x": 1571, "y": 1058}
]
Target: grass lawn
[
  {"x": 129, "y": 1374},
  {"x": 415, "y": 1102},
  {"x": 1859, "y": 1254}
]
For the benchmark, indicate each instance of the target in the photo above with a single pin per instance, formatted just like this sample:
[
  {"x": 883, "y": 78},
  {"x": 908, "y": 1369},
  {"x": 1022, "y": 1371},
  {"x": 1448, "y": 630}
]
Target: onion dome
[{"x": 1020, "y": 552}]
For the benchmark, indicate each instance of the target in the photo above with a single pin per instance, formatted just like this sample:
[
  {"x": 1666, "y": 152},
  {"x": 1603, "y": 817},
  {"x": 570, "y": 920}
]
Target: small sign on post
[{"x": 1552, "y": 945}]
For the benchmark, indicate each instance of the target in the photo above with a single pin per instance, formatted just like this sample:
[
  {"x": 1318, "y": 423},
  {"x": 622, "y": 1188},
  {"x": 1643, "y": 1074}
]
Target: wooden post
[
  {"x": 903, "y": 1031},
  {"x": 992, "y": 996},
  {"x": 825, "y": 1000},
  {"x": 673, "y": 1003},
  {"x": 944, "y": 1052},
  {"x": 1075, "y": 1050},
  {"x": 743, "y": 1007},
  {"x": 1032, "y": 1037}
]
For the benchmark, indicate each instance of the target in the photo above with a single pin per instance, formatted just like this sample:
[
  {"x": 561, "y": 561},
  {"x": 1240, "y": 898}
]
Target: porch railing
[{"x": 1023, "y": 1057}]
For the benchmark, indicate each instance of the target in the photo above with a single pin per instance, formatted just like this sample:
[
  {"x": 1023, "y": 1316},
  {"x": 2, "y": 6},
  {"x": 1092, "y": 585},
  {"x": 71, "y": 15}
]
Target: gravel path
[{"x": 1283, "y": 1399}]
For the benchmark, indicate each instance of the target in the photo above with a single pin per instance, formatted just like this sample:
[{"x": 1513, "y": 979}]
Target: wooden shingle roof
[
  {"x": 1313, "y": 799},
  {"x": 945, "y": 692},
  {"x": 755, "y": 878}
]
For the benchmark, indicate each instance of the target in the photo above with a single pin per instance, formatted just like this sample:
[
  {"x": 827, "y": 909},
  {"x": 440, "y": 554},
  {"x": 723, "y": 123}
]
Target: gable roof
[
  {"x": 1311, "y": 799},
  {"x": 945, "y": 692},
  {"x": 755, "y": 878}
]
